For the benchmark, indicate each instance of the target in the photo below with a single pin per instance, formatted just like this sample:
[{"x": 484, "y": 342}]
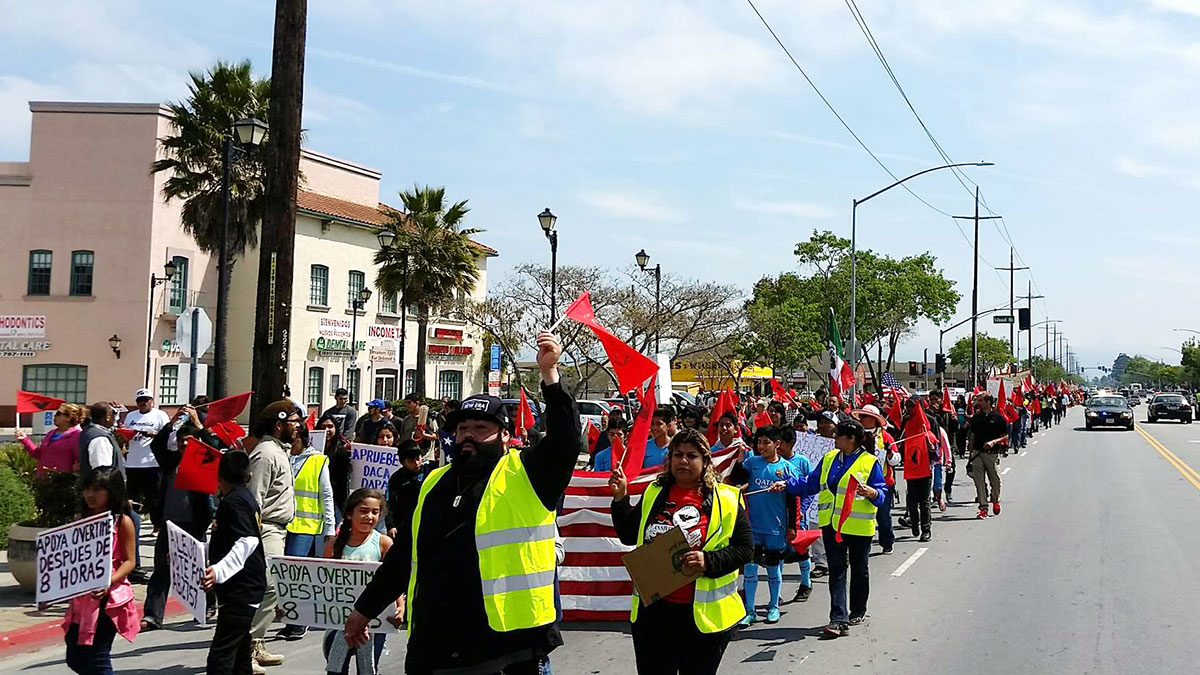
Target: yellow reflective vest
[
  {"x": 716, "y": 605},
  {"x": 861, "y": 521},
  {"x": 514, "y": 537},
  {"x": 310, "y": 517}
]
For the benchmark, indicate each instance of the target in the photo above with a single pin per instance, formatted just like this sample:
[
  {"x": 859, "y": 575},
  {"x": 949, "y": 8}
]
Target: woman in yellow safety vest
[
  {"x": 850, "y": 474},
  {"x": 687, "y": 631}
]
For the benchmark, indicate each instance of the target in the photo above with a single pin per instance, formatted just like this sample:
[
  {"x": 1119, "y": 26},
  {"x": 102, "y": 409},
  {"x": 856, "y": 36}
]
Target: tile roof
[{"x": 363, "y": 214}]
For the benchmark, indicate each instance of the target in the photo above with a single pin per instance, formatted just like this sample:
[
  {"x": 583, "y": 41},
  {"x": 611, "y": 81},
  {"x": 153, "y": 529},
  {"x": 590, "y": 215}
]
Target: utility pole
[
  {"x": 1052, "y": 350},
  {"x": 1012, "y": 327},
  {"x": 925, "y": 369},
  {"x": 1030, "y": 297},
  {"x": 277, "y": 243},
  {"x": 975, "y": 291}
]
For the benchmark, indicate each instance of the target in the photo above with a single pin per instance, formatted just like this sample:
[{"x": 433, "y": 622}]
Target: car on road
[
  {"x": 1108, "y": 411},
  {"x": 1135, "y": 399},
  {"x": 595, "y": 411},
  {"x": 1169, "y": 407}
]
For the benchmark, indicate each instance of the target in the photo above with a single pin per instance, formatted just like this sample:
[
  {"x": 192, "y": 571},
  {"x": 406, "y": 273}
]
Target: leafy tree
[
  {"x": 1049, "y": 370},
  {"x": 432, "y": 262},
  {"x": 993, "y": 353},
  {"x": 781, "y": 329}
]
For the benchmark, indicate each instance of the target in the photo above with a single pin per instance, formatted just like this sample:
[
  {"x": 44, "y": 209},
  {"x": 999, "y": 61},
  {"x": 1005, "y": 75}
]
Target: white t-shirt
[{"x": 140, "y": 456}]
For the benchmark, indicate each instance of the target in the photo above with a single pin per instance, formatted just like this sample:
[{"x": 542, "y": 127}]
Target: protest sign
[
  {"x": 75, "y": 558},
  {"x": 316, "y": 439},
  {"x": 187, "y": 569},
  {"x": 371, "y": 466},
  {"x": 814, "y": 447},
  {"x": 320, "y": 593}
]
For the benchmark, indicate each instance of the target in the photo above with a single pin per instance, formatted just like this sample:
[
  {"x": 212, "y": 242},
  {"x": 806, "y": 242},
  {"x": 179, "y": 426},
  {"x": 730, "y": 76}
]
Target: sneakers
[
  {"x": 746, "y": 621},
  {"x": 835, "y": 630},
  {"x": 256, "y": 669},
  {"x": 887, "y": 550},
  {"x": 982, "y": 513},
  {"x": 262, "y": 657},
  {"x": 819, "y": 571},
  {"x": 291, "y": 633},
  {"x": 856, "y": 620},
  {"x": 926, "y": 536},
  {"x": 802, "y": 594},
  {"x": 995, "y": 508},
  {"x": 773, "y": 615}
]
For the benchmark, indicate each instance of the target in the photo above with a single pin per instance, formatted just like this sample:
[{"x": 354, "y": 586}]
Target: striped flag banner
[{"x": 593, "y": 583}]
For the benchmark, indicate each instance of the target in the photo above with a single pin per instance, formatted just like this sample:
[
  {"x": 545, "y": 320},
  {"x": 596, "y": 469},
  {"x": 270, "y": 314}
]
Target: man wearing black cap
[{"x": 481, "y": 586}]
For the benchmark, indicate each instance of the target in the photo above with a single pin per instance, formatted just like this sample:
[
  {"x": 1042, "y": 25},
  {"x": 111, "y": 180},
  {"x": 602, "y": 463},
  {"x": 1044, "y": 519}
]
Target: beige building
[{"x": 87, "y": 229}]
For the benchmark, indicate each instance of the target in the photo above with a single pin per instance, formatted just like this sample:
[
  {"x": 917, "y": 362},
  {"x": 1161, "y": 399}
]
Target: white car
[{"x": 594, "y": 411}]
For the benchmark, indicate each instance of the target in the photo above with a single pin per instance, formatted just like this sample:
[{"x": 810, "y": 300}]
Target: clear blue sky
[{"x": 680, "y": 126}]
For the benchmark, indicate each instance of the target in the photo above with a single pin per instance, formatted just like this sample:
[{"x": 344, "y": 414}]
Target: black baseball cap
[{"x": 480, "y": 407}]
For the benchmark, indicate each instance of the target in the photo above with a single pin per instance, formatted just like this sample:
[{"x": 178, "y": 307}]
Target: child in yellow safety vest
[{"x": 314, "y": 520}]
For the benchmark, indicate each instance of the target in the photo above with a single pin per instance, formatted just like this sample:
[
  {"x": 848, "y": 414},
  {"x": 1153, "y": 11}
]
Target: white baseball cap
[{"x": 143, "y": 393}]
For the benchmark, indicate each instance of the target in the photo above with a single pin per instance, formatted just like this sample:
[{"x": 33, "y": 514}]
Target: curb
[{"x": 37, "y": 636}]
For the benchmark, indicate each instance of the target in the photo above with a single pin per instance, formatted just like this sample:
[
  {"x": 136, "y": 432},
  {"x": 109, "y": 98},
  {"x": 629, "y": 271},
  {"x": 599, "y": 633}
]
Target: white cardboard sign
[
  {"x": 75, "y": 558},
  {"x": 320, "y": 593},
  {"x": 371, "y": 466},
  {"x": 187, "y": 570}
]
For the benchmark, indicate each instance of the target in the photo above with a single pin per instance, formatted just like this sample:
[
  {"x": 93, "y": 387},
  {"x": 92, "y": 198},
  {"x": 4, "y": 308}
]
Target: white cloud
[
  {"x": 631, "y": 206},
  {"x": 1138, "y": 168},
  {"x": 411, "y": 71},
  {"x": 804, "y": 210},
  {"x": 1182, "y": 6}
]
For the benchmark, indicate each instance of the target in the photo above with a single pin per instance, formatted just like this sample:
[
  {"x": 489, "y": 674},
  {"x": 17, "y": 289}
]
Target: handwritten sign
[
  {"x": 316, "y": 439},
  {"x": 187, "y": 569},
  {"x": 814, "y": 447},
  {"x": 371, "y": 466},
  {"x": 75, "y": 558},
  {"x": 320, "y": 593}
]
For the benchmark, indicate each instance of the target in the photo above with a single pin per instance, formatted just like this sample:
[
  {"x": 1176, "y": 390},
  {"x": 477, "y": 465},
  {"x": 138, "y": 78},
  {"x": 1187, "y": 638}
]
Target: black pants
[
  {"x": 917, "y": 503},
  {"x": 230, "y": 650},
  {"x": 667, "y": 642},
  {"x": 854, "y": 553},
  {"x": 144, "y": 488},
  {"x": 160, "y": 581},
  {"x": 96, "y": 658}
]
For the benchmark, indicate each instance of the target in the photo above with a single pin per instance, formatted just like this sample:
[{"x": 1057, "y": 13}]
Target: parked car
[
  {"x": 511, "y": 405},
  {"x": 1108, "y": 411},
  {"x": 594, "y": 411},
  {"x": 1171, "y": 407}
]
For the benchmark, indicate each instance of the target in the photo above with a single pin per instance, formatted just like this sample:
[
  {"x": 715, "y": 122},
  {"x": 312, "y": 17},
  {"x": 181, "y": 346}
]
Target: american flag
[
  {"x": 593, "y": 583},
  {"x": 892, "y": 386}
]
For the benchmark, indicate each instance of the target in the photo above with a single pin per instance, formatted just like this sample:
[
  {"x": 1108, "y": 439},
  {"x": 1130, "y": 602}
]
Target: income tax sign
[
  {"x": 75, "y": 558},
  {"x": 371, "y": 466},
  {"x": 320, "y": 593}
]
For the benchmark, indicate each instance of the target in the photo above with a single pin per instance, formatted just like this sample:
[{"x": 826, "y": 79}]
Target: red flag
[
  {"x": 868, "y": 398},
  {"x": 617, "y": 453},
  {"x": 525, "y": 420},
  {"x": 947, "y": 404},
  {"x": 724, "y": 404},
  {"x": 310, "y": 422},
  {"x": 126, "y": 434},
  {"x": 631, "y": 367},
  {"x": 229, "y": 432},
  {"x": 1037, "y": 406},
  {"x": 893, "y": 411},
  {"x": 226, "y": 409},
  {"x": 779, "y": 393},
  {"x": 636, "y": 452},
  {"x": 762, "y": 419},
  {"x": 804, "y": 539},
  {"x": 29, "y": 402},
  {"x": 593, "y": 436},
  {"x": 847, "y": 504},
  {"x": 198, "y": 467}
]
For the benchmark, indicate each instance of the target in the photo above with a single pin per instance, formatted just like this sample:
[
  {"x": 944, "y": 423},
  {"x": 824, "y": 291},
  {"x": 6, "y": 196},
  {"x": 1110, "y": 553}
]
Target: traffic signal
[
  {"x": 1023, "y": 318},
  {"x": 940, "y": 363},
  {"x": 912, "y": 368}
]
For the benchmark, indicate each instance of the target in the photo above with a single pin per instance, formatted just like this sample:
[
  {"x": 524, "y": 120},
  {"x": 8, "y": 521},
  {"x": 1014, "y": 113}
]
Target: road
[{"x": 1093, "y": 567}]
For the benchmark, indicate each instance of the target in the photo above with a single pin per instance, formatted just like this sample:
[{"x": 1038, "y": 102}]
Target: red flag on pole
[
  {"x": 631, "y": 367},
  {"x": 226, "y": 409},
  {"x": 724, "y": 404},
  {"x": 761, "y": 420},
  {"x": 525, "y": 419},
  {"x": 229, "y": 432},
  {"x": 618, "y": 452},
  {"x": 29, "y": 402},
  {"x": 847, "y": 504},
  {"x": 310, "y": 422},
  {"x": 947, "y": 404},
  {"x": 593, "y": 436},
  {"x": 779, "y": 393},
  {"x": 804, "y": 539},
  {"x": 198, "y": 467},
  {"x": 636, "y": 452},
  {"x": 893, "y": 411}
]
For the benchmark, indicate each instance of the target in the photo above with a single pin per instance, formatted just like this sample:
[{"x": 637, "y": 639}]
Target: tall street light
[
  {"x": 387, "y": 239},
  {"x": 643, "y": 259},
  {"x": 364, "y": 294},
  {"x": 249, "y": 133},
  {"x": 547, "y": 221},
  {"x": 168, "y": 272},
  {"x": 854, "y": 252}
]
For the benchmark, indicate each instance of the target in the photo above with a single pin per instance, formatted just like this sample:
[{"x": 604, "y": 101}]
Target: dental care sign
[
  {"x": 320, "y": 593},
  {"x": 371, "y": 466},
  {"x": 75, "y": 558}
]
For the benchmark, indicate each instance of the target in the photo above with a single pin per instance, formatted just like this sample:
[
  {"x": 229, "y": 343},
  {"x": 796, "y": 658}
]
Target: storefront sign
[
  {"x": 22, "y": 348},
  {"x": 447, "y": 334},
  {"x": 170, "y": 347},
  {"x": 494, "y": 383},
  {"x": 22, "y": 326},
  {"x": 450, "y": 350},
  {"x": 325, "y": 346},
  {"x": 383, "y": 353},
  {"x": 335, "y": 328},
  {"x": 384, "y": 331}
]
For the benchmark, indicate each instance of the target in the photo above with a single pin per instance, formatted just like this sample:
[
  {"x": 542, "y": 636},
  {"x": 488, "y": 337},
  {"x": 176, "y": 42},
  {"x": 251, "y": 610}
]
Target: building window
[
  {"x": 352, "y": 377},
  {"x": 385, "y": 384},
  {"x": 177, "y": 297},
  {"x": 318, "y": 286},
  {"x": 59, "y": 380},
  {"x": 82, "y": 263},
  {"x": 316, "y": 377},
  {"x": 335, "y": 382},
  {"x": 168, "y": 384},
  {"x": 39, "y": 273},
  {"x": 450, "y": 384},
  {"x": 387, "y": 303},
  {"x": 357, "y": 281},
  {"x": 410, "y": 381}
]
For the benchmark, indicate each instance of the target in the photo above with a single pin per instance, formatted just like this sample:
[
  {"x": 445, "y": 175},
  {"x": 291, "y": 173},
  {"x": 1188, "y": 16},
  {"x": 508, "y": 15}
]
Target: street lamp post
[
  {"x": 643, "y": 259},
  {"x": 248, "y": 132},
  {"x": 547, "y": 221},
  {"x": 387, "y": 239},
  {"x": 168, "y": 272},
  {"x": 854, "y": 251},
  {"x": 356, "y": 304}
]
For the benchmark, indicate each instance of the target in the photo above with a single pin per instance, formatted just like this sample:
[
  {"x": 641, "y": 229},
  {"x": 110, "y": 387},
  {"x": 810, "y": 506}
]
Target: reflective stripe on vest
[
  {"x": 716, "y": 605},
  {"x": 310, "y": 517},
  {"x": 514, "y": 540},
  {"x": 861, "y": 519}
]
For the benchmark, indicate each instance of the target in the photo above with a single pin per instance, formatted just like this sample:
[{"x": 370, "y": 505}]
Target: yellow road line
[{"x": 1181, "y": 466}]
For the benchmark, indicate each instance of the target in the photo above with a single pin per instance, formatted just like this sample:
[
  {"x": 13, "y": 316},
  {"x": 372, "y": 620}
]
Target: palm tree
[
  {"x": 194, "y": 157},
  {"x": 432, "y": 261}
]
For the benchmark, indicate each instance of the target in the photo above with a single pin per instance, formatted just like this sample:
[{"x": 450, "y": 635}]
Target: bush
[
  {"x": 57, "y": 497},
  {"x": 23, "y": 465},
  {"x": 16, "y": 502}
]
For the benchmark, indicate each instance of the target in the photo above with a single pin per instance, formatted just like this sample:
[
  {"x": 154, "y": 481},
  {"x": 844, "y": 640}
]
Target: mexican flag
[{"x": 840, "y": 375}]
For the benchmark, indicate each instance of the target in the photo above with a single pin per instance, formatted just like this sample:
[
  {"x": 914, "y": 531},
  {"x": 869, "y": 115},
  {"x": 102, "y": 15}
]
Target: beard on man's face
[{"x": 471, "y": 454}]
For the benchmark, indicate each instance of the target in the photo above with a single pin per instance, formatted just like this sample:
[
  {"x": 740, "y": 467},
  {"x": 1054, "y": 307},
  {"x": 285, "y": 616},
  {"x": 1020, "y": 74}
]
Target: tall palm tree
[
  {"x": 195, "y": 150},
  {"x": 431, "y": 262}
]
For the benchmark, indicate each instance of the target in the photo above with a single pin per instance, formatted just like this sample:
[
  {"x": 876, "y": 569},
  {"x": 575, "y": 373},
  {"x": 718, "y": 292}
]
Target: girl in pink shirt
[{"x": 59, "y": 450}]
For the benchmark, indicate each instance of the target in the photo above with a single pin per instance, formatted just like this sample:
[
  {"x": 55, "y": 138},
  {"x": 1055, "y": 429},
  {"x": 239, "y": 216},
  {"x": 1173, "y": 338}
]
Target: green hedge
[{"x": 16, "y": 503}]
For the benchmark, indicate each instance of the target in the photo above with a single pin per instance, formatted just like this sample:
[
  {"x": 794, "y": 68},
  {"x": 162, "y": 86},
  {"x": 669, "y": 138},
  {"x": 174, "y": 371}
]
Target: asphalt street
[{"x": 1093, "y": 567}]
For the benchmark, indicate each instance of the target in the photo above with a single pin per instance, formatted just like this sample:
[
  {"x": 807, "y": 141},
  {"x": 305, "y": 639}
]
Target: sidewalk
[{"x": 24, "y": 628}]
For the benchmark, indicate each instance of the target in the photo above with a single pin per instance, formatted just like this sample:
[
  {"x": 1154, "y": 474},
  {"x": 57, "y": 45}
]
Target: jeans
[
  {"x": 305, "y": 545},
  {"x": 917, "y": 502},
  {"x": 230, "y": 650},
  {"x": 883, "y": 524},
  {"x": 272, "y": 543},
  {"x": 96, "y": 658},
  {"x": 159, "y": 587},
  {"x": 852, "y": 553},
  {"x": 938, "y": 471},
  {"x": 666, "y": 641},
  {"x": 378, "y": 640}
]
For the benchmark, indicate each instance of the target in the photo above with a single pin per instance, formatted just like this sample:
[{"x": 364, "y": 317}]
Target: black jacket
[
  {"x": 403, "y": 489},
  {"x": 449, "y": 628}
]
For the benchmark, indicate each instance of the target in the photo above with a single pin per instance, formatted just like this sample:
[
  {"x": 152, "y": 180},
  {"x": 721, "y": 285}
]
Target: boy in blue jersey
[
  {"x": 662, "y": 428},
  {"x": 771, "y": 516},
  {"x": 616, "y": 436},
  {"x": 787, "y": 449}
]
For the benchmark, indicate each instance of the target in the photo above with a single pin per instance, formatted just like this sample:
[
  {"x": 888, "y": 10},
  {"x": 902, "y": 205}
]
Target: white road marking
[
  {"x": 908, "y": 563},
  {"x": 1193, "y": 441},
  {"x": 1035, "y": 442},
  {"x": 1006, "y": 471},
  {"x": 1026, "y": 452}
]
